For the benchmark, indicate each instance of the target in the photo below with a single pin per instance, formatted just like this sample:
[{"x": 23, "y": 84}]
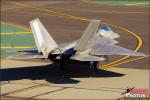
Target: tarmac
[
  {"x": 66, "y": 21},
  {"x": 44, "y": 81}
]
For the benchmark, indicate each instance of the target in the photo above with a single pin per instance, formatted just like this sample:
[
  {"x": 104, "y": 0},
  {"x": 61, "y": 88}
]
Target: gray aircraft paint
[
  {"x": 90, "y": 47},
  {"x": 87, "y": 35}
]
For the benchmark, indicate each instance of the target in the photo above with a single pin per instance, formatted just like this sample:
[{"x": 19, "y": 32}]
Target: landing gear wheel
[
  {"x": 95, "y": 69},
  {"x": 62, "y": 61},
  {"x": 94, "y": 65}
]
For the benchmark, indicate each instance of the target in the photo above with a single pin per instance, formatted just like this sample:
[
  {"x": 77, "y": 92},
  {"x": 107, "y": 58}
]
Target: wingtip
[{"x": 143, "y": 55}]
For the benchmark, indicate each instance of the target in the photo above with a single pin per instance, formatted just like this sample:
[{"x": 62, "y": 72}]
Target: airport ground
[{"x": 66, "y": 21}]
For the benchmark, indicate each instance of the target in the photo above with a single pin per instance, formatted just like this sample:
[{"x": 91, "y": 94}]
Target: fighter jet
[{"x": 95, "y": 45}]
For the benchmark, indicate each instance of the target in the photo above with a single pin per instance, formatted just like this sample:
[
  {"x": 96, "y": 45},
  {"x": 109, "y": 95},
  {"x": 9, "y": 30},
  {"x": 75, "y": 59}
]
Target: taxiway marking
[
  {"x": 102, "y": 11},
  {"x": 120, "y": 12},
  {"x": 16, "y": 25},
  {"x": 138, "y": 3},
  {"x": 16, "y": 32},
  {"x": 9, "y": 8},
  {"x": 88, "y": 1},
  {"x": 38, "y": 85},
  {"x": 105, "y": 67},
  {"x": 16, "y": 47}
]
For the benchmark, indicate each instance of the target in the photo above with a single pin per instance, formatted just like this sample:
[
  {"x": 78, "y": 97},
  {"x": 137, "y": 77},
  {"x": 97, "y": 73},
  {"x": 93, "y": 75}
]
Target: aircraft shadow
[{"x": 52, "y": 73}]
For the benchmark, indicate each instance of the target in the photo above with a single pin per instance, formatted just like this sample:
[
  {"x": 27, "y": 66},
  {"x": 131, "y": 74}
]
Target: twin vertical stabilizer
[{"x": 44, "y": 42}]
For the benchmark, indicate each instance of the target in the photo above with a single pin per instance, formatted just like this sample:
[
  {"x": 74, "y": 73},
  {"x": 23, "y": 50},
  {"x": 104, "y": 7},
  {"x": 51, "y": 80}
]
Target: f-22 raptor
[{"x": 95, "y": 45}]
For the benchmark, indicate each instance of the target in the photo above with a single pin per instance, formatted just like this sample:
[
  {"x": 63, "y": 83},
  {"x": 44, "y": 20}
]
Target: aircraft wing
[
  {"x": 25, "y": 57},
  {"x": 100, "y": 46},
  {"x": 87, "y": 57},
  {"x": 32, "y": 50},
  {"x": 63, "y": 47},
  {"x": 110, "y": 41}
]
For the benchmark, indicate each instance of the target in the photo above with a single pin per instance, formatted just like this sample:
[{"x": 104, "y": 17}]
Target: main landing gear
[
  {"x": 94, "y": 65},
  {"x": 62, "y": 64},
  {"x": 64, "y": 61}
]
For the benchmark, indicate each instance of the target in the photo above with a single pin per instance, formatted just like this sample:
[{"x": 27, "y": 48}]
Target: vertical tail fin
[
  {"x": 87, "y": 35},
  {"x": 44, "y": 42}
]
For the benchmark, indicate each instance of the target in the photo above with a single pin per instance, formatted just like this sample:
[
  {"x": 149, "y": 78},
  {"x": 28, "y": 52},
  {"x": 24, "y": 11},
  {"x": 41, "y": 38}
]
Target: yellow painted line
[
  {"x": 10, "y": 8},
  {"x": 81, "y": 10},
  {"x": 28, "y": 88},
  {"x": 138, "y": 3},
  {"x": 90, "y": 1},
  {"x": 16, "y": 47},
  {"x": 16, "y": 32},
  {"x": 123, "y": 62},
  {"x": 50, "y": 11},
  {"x": 103, "y": 11},
  {"x": 119, "y": 12},
  {"x": 16, "y": 25},
  {"x": 24, "y": 12},
  {"x": 84, "y": 19}
]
